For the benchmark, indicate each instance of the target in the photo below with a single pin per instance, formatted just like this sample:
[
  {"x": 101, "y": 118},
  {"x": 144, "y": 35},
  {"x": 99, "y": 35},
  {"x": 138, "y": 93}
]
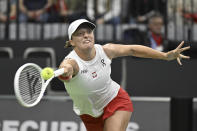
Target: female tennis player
[{"x": 99, "y": 101}]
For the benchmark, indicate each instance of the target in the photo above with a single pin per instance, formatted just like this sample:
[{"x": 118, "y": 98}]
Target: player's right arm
[{"x": 71, "y": 69}]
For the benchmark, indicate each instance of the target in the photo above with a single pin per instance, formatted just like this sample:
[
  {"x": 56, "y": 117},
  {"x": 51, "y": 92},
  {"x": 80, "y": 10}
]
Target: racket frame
[{"x": 43, "y": 88}]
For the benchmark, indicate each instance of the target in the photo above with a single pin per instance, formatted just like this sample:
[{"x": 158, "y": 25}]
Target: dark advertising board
[{"x": 56, "y": 114}]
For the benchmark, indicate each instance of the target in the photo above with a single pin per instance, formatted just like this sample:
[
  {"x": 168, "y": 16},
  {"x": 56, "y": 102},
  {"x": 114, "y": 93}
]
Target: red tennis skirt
[{"x": 121, "y": 102}]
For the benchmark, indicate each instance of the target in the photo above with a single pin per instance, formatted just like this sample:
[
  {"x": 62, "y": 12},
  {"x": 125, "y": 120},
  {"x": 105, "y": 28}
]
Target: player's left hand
[{"x": 176, "y": 53}]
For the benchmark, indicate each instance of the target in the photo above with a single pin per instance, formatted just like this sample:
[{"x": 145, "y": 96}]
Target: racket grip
[{"x": 59, "y": 72}]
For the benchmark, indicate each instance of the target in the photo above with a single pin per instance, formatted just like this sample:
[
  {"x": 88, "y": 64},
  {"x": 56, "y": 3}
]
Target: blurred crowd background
[{"x": 127, "y": 21}]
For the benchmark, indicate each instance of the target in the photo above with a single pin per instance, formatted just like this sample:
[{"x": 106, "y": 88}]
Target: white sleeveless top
[{"x": 92, "y": 88}]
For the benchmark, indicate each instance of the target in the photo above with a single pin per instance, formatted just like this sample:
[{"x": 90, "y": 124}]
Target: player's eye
[
  {"x": 89, "y": 31},
  {"x": 80, "y": 33}
]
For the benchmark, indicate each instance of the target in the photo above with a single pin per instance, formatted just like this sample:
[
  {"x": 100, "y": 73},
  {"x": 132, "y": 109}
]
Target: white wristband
[{"x": 59, "y": 72}]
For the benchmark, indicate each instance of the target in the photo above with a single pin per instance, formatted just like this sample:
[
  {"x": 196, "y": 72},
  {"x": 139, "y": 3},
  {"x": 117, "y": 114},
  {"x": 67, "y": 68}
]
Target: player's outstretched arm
[
  {"x": 70, "y": 69},
  {"x": 118, "y": 50}
]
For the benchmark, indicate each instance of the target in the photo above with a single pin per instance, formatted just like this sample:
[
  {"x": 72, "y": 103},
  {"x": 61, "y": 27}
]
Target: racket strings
[{"x": 30, "y": 84}]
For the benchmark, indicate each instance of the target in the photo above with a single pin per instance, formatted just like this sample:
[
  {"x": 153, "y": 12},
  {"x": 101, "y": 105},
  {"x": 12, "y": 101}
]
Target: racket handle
[{"x": 59, "y": 72}]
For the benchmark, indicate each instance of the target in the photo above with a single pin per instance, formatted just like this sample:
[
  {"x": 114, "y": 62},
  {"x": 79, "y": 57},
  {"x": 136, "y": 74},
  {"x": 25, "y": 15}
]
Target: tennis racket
[{"x": 29, "y": 86}]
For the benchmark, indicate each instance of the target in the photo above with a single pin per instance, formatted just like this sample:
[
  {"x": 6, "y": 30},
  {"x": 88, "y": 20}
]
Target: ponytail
[{"x": 68, "y": 44}]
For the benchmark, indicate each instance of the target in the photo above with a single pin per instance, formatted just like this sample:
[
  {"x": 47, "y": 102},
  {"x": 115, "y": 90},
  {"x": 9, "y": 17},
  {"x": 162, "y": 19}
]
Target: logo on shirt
[
  {"x": 94, "y": 75},
  {"x": 103, "y": 62},
  {"x": 84, "y": 71}
]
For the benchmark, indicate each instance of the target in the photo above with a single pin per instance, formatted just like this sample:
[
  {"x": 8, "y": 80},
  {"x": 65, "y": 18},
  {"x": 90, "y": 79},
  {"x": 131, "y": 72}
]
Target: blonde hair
[{"x": 68, "y": 44}]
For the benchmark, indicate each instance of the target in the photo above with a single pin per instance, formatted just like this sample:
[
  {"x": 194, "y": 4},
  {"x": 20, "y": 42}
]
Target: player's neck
[{"x": 86, "y": 55}]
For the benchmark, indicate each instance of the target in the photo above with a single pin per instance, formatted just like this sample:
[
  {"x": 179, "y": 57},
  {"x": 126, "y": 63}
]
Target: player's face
[{"x": 83, "y": 38}]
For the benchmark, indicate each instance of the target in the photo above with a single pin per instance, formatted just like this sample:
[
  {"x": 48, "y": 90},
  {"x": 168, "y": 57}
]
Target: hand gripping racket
[{"x": 29, "y": 86}]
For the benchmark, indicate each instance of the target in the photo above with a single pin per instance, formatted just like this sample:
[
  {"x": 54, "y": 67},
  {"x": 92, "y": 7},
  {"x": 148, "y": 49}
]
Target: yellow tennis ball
[{"x": 47, "y": 73}]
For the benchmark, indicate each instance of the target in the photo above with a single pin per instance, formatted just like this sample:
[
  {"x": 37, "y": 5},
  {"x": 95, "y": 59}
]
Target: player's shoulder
[
  {"x": 72, "y": 55},
  {"x": 103, "y": 46},
  {"x": 108, "y": 46},
  {"x": 107, "y": 49}
]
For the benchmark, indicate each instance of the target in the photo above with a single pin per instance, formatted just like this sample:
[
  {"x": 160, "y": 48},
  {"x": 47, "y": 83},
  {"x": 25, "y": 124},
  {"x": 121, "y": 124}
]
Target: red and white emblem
[{"x": 94, "y": 75}]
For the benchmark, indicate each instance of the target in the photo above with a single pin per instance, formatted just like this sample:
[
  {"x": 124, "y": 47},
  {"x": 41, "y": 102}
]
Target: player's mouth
[{"x": 86, "y": 41}]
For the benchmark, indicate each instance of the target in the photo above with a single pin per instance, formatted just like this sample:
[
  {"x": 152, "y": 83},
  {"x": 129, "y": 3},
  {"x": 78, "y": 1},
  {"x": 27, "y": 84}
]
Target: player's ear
[{"x": 72, "y": 43}]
